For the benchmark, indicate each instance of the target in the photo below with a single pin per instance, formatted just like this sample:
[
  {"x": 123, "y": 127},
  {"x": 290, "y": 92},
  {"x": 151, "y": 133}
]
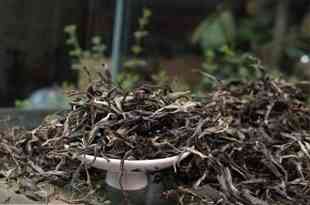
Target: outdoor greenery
[
  {"x": 228, "y": 40},
  {"x": 92, "y": 58},
  {"x": 263, "y": 28},
  {"x": 247, "y": 107},
  {"x": 130, "y": 73}
]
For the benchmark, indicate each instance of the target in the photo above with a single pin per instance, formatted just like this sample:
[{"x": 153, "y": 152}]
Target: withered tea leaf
[{"x": 249, "y": 142}]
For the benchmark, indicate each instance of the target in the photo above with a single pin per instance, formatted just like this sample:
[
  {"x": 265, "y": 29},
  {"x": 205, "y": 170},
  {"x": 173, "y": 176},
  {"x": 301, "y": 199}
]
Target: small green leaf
[
  {"x": 136, "y": 49},
  {"x": 140, "y": 34},
  {"x": 147, "y": 12},
  {"x": 76, "y": 53},
  {"x": 96, "y": 40},
  {"x": 143, "y": 22},
  {"x": 70, "y": 29}
]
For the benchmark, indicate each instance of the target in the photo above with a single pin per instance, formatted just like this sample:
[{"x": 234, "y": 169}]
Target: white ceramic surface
[
  {"x": 114, "y": 165},
  {"x": 130, "y": 180},
  {"x": 134, "y": 171}
]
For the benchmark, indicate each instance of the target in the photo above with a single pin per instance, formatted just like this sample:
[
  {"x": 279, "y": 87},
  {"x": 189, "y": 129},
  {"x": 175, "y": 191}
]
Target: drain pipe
[{"x": 117, "y": 38}]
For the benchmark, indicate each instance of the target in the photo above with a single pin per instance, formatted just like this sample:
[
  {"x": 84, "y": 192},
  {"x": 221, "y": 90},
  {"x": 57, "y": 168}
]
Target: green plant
[
  {"x": 216, "y": 37},
  {"x": 96, "y": 51},
  {"x": 226, "y": 65},
  {"x": 91, "y": 58},
  {"x": 215, "y": 31},
  {"x": 22, "y": 104},
  {"x": 225, "y": 51},
  {"x": 141, "y": 32},
  {"x": 264, "y": 30},
  {"x": 134, "y": 67},
  {"x": 131, "y": 72},
  {"x": 127, "y": 80}
]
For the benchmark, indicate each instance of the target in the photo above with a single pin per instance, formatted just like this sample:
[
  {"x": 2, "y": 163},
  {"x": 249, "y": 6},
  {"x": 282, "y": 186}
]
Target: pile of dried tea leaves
[
  {"x": 249, "y": 142},
  {"x": 252, "y": 147}
]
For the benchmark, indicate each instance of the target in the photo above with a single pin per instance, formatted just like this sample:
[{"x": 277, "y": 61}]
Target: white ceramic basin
[{"x": 134, "y": 175}]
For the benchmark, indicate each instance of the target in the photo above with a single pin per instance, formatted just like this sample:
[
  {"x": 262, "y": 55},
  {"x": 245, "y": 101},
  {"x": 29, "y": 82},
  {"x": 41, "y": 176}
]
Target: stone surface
[
  {"x": 22, "y": 118},
  {"x": 8, "y": 196}
]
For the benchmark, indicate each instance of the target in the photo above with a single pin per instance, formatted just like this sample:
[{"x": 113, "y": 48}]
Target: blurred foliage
[
  {"x": 227, "y": 66},
  {"x": 135, "y": 67},
  {"x": 263, "y": 29},
  {"x": 127, "y": 80},
  {"x": 217, "y": 38},
  {"x": 132, "y": 71},
  {"x": 215, "y": 31},
  {"x": 91, "y": 58},
  {"x": 141, "y": 32},
  {"x": 22, "y": 104},
  {"x": 227, "y": 38},
  {"x": 96, "y": 50}
]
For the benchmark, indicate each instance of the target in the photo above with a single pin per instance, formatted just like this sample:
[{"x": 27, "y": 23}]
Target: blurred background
[{"x": 185, "y": 43}]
